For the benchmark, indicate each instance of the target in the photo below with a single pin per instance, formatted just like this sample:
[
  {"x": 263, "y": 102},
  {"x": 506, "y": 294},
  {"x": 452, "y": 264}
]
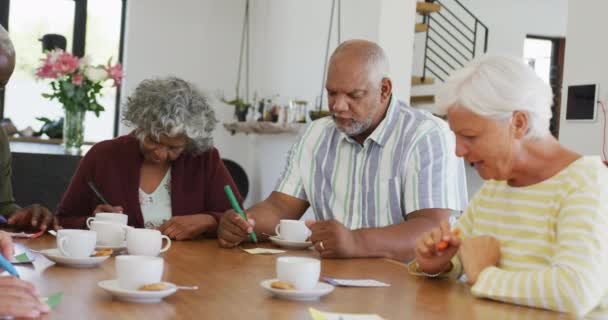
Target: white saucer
[
  {"x": 138, "y": 296},
  {"x": 121, "y": 246},
  {"x": 290, "y": 244},
  {"x": 315, "y": 293},
  {"x": 56, "y": 256}
]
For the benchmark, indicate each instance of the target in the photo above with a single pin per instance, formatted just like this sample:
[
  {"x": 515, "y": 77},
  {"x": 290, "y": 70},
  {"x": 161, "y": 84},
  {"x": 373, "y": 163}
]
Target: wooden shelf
[
  {"x": 426, "y": 99},
  {"x": 427, "y": 7},
  {"x": 35, "y": 140},
  {"x": 416, "y": 80},
  {"x": 421, "y": 27},
  {"x": 262, "y": 127}
]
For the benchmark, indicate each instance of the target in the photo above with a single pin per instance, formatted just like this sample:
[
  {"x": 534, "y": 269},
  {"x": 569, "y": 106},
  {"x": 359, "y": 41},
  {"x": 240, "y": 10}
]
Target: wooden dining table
[{"x": 229, "y": 288}]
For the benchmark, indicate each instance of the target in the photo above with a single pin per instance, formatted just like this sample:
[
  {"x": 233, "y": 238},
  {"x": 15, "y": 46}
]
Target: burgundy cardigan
[{"x": 197, "y": 183}]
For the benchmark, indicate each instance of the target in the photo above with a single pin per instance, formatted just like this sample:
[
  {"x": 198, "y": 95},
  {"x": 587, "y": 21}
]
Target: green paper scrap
[
  {"x": 54, "y": 300},
  {"x": 22, "y": 258}
]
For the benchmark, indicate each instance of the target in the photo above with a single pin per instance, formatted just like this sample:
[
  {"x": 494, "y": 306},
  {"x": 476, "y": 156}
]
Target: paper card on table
[
  {"x": 26, "y": 235},
  {"x": 41, "y": 263},
  {"x": 320, "y": 315},
  {"x": 263, "y": 251},
  {"x": 22, "y": 258},
  {"x": 53, "y": 300},
  {"x": 355, "y": 282}
]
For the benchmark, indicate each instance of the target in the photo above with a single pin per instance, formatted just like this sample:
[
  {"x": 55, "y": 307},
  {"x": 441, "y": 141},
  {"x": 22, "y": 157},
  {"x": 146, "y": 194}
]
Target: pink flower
[
  {"x": 46, "y": 71},
  {"x": 115, "y": 72},
  {"x": 77, "y": 79},
  {"x": 65, "y": 63}
]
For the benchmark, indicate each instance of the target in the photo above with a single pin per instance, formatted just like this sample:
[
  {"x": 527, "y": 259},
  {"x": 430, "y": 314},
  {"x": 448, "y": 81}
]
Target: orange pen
[{"x": 442, "y": 245}]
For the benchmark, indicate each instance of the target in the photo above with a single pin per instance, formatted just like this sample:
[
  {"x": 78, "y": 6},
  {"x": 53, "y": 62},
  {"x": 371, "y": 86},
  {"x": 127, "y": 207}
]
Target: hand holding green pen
[{"x": 237, "y": 208}]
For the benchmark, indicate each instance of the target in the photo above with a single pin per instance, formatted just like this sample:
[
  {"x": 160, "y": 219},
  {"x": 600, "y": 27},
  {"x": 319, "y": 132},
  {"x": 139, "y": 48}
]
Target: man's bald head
[
  {"x": 7, "y": 57},
  {"x": 364, "y": 53},
  {"x": 358, "y": 87}
]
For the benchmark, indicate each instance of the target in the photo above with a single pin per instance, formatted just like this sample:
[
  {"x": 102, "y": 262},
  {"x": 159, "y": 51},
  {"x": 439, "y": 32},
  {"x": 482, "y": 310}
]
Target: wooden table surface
[{"x": 229, "y": 288}]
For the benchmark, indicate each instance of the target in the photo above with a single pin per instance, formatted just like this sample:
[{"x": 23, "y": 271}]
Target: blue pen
[
  {"x": 3, "y": 219},
  {"x": 6, "y": 265}
]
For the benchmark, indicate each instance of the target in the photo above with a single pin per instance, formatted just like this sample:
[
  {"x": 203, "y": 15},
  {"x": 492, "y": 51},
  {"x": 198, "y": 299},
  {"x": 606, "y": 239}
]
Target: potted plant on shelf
[
  {"x": 240, "y": 107},
  {"x": 76, "y": 84}
]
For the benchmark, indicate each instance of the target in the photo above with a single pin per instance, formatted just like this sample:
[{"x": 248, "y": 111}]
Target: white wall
[
  {"x": 199, "y": 41},
  {"x": 396, "y": 36},
  {"x": 510, "y": 21},
  {"x": 585, "y": 62}
]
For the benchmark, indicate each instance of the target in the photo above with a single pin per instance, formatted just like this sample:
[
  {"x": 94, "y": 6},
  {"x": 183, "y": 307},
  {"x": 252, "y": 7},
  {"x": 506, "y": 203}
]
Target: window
[
  {"x": 28, "y": 21},
  {"x": 102, "y": 42}
]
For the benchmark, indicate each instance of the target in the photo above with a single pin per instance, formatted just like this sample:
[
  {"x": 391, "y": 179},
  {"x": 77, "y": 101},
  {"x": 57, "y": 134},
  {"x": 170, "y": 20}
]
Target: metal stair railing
[{"x": 452, "y": 38}]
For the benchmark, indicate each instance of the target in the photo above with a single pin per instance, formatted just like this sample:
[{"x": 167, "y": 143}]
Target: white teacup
[
  {"x": 292, "y": 230},
  {"x": 76, "y": 243},
  {"x": 110, "y": 217},
  {"x": 146, "y": 242},
  {"x": 133, "y": 272},
  {"x": 302, "y": 273},
  {"x": 109, "y": 233}
]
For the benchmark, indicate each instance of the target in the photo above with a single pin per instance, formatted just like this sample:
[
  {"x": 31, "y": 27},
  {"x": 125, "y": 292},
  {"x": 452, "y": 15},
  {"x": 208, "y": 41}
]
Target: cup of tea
[
  {"x": 132, "y": 272},
  {"x": 75, "y": 243},
  {"x": 303, "y": 273},
  {"x": 292, "y": 230},
  {"x": 109, "y": 233},
  {"x": 146, "y": 242},
  {"x": 108, "y": 217}
]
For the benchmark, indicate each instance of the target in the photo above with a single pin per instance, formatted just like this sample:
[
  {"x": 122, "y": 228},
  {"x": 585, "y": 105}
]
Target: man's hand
[
  {"x": 20, "y": 299},
  {"x": 188, "y": 227},
  {"x": 233, "y": 229},
  {"x": 34, "y": 217},
  {"x": 478, "y": 253},
  {"x": 430, "y": 256},
  {"x": 332, "y": 239}
]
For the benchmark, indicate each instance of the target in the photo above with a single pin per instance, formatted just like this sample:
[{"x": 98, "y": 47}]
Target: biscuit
[
  {"x": 153, "y": 287},
  {"x": 102, "y": 253},
  {"x": 282, "y": 285}
]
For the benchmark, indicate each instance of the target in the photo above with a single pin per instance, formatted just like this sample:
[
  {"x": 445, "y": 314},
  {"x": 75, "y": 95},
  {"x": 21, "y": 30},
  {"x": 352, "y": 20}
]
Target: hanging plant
[{"x": 241, "y": 106}]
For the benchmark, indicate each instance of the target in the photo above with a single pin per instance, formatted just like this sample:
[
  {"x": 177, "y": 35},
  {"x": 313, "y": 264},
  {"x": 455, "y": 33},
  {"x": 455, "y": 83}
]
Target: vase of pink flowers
[{"x": 76, "y": 84}]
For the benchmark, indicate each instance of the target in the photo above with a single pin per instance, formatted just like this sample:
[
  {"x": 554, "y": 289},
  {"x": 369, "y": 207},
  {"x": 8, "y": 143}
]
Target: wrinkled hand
[
  {"x": 332, "y": 239},
  {"x": 107, "y": 208},
  {"x": 6, "y": 245},
  {"x": 429, "y": 258},
  {"x": 478, "y": 253},
  {"x": 34, "y": 217},
  {"x": 233, "y": 229},
  {"x": 20, "y": 299},
  {"x": 188, "y": 227}
]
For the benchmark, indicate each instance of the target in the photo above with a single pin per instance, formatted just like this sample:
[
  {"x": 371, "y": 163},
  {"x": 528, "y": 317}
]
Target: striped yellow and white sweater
[{"x": 553, "y": 239}]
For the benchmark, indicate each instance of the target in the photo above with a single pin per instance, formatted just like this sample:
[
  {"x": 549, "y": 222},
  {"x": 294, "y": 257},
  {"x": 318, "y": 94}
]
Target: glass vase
[{"x": 73, "y": 130}]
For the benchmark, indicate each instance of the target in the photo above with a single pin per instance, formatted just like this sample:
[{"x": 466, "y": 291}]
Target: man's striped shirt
[{"x": 406, "y": 164}]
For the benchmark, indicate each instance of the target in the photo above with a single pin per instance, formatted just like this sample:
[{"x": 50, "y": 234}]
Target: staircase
[{"x": 451, "y": 36}]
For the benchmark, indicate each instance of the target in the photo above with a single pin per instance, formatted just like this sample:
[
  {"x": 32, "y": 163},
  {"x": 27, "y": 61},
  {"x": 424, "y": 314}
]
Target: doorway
[{"x": 546, "y": 56}]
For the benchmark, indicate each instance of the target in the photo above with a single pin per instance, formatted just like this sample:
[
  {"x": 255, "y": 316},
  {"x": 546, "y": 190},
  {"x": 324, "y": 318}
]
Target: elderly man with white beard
[{"x": 377, "y": 174}]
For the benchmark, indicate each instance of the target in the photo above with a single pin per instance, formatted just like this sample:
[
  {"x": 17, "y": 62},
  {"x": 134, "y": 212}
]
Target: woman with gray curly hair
[{"x": 166, "y": 174}]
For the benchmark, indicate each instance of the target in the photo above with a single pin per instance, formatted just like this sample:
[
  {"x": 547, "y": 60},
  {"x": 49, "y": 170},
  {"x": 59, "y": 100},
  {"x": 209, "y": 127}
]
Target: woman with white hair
[
  {"x": 166, "y": 174},
  {"x": 536, "y": 234}
]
